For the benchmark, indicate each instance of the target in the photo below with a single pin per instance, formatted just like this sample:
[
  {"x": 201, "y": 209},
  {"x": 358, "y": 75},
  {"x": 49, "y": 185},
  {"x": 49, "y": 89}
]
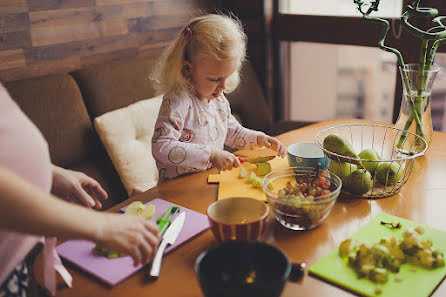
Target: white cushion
[{"x": 127, "y": 136}]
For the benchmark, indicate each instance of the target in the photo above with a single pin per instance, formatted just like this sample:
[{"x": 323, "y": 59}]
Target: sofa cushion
[
  {"x": 127, "y": 136},
  {"x": 54, "y": 103},
  {"x": 116, "y": 84}
]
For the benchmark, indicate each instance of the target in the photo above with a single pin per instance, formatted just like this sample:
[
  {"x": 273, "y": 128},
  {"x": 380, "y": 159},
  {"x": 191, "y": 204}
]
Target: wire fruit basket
[{"x": 380, "y": 167}]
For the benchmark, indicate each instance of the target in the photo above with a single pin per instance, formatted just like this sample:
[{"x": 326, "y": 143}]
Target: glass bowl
[
  {"x": 397, "y": 150},
  {"x": 295, "y": 211}
]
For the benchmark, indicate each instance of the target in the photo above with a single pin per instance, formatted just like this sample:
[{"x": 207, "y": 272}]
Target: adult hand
[
  {"x": 129, "y": 235},
  {"x": 223, "y": 160},
  {"x": 77, "y": 187},
  {"x": 271, "y": 142}
]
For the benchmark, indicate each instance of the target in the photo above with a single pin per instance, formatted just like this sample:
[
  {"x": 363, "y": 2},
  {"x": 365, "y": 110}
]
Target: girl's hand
[
  {"x": 223, "y": 160},
  {"x": 130, "y": 235},
  {"x": 77, "y": 187},
  {"x": 273, "y": 143}
]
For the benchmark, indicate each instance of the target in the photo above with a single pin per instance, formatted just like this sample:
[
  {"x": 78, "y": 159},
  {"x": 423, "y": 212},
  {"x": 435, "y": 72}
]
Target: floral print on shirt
[{"x": 187, "y": 129}]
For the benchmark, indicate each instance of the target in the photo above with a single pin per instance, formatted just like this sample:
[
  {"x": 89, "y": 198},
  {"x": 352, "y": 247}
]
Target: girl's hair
[{"x": 219, "y": 36}]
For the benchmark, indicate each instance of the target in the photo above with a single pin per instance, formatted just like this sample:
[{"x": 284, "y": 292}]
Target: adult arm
[{"x": 27, "y": 209}]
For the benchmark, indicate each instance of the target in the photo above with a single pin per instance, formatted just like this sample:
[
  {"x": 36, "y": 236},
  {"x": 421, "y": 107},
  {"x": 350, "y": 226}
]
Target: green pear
[
  {"x": 339, "y": 145},
  {"x": 342, "y": 169},
  {"x": 359, "y": 182},
  {"x": 388, "y": 173},
  {"x": 369, "y": 154}
]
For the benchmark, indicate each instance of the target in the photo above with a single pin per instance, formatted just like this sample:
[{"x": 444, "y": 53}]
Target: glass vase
[{"x": 415, "y": 112}]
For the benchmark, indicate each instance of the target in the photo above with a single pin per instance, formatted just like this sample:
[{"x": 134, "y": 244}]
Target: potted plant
[{"x": 417, "y": 78}]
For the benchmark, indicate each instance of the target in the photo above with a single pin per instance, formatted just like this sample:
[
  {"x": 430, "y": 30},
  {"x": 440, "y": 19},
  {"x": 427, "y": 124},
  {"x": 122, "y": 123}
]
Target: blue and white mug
[{"x": 306, "y": 154}]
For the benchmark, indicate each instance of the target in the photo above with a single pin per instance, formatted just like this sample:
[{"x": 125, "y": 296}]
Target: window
[
  {"x": 387, "y": 8},
  {"x": 328, "y": 81},
  {"x": 327, "y": 75}
]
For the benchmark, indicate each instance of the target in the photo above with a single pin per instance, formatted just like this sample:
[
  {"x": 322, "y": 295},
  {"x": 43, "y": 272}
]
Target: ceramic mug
[{"x": 306, "y": 154}]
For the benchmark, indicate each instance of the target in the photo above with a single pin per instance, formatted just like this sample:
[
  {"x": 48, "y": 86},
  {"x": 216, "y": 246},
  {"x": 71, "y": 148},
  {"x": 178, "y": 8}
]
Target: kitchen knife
[
  {"x": 169, "y": 238},
  {"x": 256, "y": 159}
]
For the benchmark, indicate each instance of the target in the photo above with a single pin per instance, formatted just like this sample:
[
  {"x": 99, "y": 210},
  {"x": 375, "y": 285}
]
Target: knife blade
[
  {"x": 256, "y": 159},
  {"x": 169, "y": 237}
]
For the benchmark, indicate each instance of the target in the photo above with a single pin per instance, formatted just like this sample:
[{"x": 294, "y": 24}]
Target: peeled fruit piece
[
  {"x": 339, "y": 145},
  {"x": 257, "y": 182},
  {"x": 148, "y": 212},
  {"x": 342, "y": 169},
  {"x": 138, "y": 208},
  {"x": 135, "y": 208},
  {"x": 243, "y": 173},
  {"x": 263, "y": 168},
  {"x": 388, "y": 173},
  {"x": 359, "y": 182},
  {"x": 252, "y": 178},
  {"x": 370, "y": 154}
]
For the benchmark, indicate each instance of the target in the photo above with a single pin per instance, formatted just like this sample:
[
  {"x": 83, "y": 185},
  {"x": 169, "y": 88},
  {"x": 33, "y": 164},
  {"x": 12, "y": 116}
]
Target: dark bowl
[{"x": 242, "y": 269}]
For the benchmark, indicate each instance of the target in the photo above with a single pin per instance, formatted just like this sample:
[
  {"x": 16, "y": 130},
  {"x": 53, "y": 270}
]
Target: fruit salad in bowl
[{"x": 301, "y": 198}]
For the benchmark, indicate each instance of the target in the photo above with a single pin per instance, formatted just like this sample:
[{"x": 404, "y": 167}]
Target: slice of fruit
[
  {"x": 135, "y": 208},
  {"x": 243, "y": 172},
  {"x": 148, "y": 211},
  {"x": 257, "y": 183},
  {"x": 139, "y": 209},
  {"x": 252, "y": 178},
  {"x": 263, "y": 168}
]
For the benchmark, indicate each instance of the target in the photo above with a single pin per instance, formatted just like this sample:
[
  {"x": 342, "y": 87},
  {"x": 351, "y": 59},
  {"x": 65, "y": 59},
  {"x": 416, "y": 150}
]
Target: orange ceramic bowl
[{"x": 238, "y": 218}]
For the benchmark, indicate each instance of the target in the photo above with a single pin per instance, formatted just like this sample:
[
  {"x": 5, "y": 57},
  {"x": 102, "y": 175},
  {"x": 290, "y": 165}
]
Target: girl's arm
[
  {"x": 25, "y": 208},
  {"x": 166, "y": 145},
  {"x": 242, "y": 138}
]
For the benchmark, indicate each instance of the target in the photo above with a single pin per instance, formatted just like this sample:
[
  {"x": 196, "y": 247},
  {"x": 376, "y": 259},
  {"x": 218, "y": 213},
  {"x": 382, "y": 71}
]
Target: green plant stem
[
  {"x": 421, "y": 84},
  {"x": 436, "y": 33},
  {"x": 419, "y": 99},
  {"x": 433, "y": 51}
]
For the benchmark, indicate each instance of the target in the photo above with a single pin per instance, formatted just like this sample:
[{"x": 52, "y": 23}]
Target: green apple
[
  {"x": 359, "y": 182},
  {"x": 341, "y": 169},
  {"x": 388, "y": 173},
  {"x": 369, "y": 154}
]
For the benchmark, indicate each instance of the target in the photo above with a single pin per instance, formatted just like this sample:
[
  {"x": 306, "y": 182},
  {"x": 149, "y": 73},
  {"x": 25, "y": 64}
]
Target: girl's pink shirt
[
  {"x": 24, "y": 151},
  {"x": 187, "y": 129}
]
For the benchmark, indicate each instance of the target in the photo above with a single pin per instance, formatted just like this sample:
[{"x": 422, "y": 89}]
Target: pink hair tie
[{"x": 187, "y": 33}]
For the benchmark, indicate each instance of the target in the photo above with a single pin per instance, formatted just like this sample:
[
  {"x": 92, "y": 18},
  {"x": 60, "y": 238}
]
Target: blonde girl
[{"x": 195, "y": 120}]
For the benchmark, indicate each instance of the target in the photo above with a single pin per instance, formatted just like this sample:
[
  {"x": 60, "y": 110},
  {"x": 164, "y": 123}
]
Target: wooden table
[{"x": 422, "y": 199}]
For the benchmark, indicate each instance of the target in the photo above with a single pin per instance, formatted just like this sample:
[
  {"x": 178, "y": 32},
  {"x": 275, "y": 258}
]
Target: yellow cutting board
[{"x": 232, "y": 186}]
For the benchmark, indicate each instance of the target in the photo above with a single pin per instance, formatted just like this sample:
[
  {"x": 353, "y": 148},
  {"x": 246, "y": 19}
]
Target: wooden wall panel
[
  {"x": 39, "y": 37},
  {"x": 13, "y": 6}
]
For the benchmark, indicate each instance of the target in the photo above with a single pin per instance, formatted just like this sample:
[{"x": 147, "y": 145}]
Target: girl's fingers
[{"x": 236, "y": 162}]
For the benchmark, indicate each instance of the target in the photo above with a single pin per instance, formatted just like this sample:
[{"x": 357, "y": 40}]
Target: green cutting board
[{"x": 418, "y": 283}]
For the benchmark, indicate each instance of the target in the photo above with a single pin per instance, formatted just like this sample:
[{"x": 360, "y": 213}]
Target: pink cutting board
[{"x": 113, "y": 271}]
